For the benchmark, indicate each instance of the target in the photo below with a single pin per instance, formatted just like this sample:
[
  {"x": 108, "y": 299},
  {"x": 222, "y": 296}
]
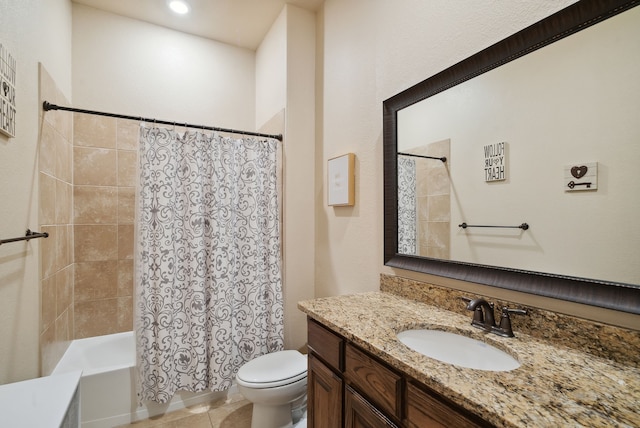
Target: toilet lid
[{"x": 275, "y": 369}]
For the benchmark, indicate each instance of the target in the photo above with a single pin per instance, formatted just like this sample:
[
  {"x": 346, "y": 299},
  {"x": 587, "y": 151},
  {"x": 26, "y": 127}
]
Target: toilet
[{"x": 273, "y": 383}]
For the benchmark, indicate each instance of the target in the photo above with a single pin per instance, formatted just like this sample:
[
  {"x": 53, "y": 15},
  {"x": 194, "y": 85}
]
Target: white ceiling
[{"x": 242, "y": 23}]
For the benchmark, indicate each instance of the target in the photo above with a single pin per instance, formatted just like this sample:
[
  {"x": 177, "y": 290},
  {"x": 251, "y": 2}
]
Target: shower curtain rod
[{"x": 46, "y": 106}]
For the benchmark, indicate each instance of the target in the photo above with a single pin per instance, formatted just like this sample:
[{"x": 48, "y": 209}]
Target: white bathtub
[{"x": 107, "y": 385}]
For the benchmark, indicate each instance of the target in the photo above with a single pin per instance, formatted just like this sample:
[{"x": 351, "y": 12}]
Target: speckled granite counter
[{"x": 555, "y": 386}]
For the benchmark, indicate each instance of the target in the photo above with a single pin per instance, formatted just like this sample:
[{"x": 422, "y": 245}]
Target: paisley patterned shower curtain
[{"x": 208, "y": 285}]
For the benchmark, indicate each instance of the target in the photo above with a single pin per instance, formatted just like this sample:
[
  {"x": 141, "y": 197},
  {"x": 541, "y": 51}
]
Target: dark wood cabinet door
[
  {"x": 324, "y": 396},
  {"x": 359, "y": 413},
  {"x": 425, "y": 410}
]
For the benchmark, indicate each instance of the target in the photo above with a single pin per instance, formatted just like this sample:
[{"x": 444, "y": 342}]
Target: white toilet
[{"x": 273, "y": 382}]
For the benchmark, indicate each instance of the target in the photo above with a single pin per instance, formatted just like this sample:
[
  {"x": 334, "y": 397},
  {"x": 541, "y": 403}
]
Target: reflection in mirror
[
  {"x": 424, "y": 207},
  {"x": 554, "y": 114},
  {"x": 512, "y": 145}
]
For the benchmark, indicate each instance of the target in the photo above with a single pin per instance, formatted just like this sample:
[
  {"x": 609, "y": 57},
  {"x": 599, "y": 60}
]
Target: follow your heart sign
[{"x": 7, "y": 93}]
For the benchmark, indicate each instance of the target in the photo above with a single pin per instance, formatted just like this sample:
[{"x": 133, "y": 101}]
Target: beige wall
[
  {"x": 127, "y": 66},
  {"x": 289, "y": 48},
  {"x": 35, "y": 31},
  {"x": 372, "y": 50}
]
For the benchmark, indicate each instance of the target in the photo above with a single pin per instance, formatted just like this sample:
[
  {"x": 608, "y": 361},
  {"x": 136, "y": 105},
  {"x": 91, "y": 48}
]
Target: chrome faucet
[{"x": 484, "y": 318}]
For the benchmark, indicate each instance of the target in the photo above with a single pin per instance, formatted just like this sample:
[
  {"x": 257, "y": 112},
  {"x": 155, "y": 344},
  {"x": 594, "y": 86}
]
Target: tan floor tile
[
  {"x": 233, "y": 415},
  {"x": 233, "y": 412}
]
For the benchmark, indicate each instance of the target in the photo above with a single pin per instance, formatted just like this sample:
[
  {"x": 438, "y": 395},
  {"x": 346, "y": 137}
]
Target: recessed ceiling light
[{"x": 179, "y": 6}]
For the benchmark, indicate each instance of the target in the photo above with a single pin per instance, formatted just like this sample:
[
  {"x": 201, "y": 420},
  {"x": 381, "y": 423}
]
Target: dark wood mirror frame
[{"x": 611, "y": 295}]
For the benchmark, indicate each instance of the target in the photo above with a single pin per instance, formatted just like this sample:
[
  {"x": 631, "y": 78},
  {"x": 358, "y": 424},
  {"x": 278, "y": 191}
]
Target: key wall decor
[
  {"x": 581, "y": 176},
  {"x": 7, "y": 92},
  {"x": 341, "y": 180}
]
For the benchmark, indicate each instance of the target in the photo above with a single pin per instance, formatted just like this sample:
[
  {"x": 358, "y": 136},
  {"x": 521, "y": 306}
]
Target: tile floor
[{"x": 234, "y": 412}]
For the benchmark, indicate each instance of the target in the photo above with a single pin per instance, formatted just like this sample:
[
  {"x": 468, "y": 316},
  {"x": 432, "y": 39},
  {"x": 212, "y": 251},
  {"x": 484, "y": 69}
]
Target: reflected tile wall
[{"x": 433, "y": 188}]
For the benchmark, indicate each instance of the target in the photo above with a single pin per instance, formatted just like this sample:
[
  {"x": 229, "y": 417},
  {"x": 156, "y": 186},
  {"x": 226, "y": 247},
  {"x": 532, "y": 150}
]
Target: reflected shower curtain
[
  {"x": 208, "y": 286},
  {"x": 407, "y": 215}
]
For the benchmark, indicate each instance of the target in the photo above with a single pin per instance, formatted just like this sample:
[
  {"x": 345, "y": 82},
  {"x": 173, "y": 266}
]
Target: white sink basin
[{"x": 458, "y": 350}]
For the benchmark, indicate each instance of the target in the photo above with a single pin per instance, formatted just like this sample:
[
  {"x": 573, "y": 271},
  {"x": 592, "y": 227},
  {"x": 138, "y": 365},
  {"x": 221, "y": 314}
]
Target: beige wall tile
[
  {"x": 94, "y": 131},
  {"x": 126, "y": 205},
  {"x": 127, "y": 168},
  {"x": 96, "y": 280},
  {"x": 47, "y": 87},
  {"x": 49, "y": 91},
  {"x": 128, "y": 134},
  {"x": 70, "y": 243},
  {"x": 95, "y": 318},
  {"x": 438, "y": 234},
  {"x": 422, "y": 206},
  {"x": 438, "y": 182},
  {"x": 48, "y": 303},
  {"x": 62, "y": 326},
  {"x": 48, "y": 251},
  {"x": 95, "y": 242},
  {"x": 125, "y": 314},
  {"x": 95, "y": 205},
  {"x": 47, "y": 149},
  {"x": 48, "y": 359},
  {"x": 438, "y": 253},
  {"x": 47, "y": 199},
  {"x": 64, "y": 202},
  {"x": 125, "y": 278},
  {"x": 62, "y": 160},
  {"x": 125, "y": 241},
  {"x": 439, "y": 208},
  {"x": 64, "y": 289},
  {"x": 94, "y": 167},
  {"x": 66, "y": 167},
  {"x": 62, "y": 248}
]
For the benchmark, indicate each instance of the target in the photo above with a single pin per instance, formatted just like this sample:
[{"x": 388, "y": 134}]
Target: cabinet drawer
[
  {"x": 425, "y": 410},
  {"x": 326, "y": 344},
  {"x": 382, "y": 386}
]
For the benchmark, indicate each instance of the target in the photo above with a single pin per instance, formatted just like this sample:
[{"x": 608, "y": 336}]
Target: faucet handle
[{"x": 504, "y": 329}]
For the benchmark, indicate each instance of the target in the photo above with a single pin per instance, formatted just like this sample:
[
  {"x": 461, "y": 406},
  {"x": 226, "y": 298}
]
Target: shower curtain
[{"x": 208, "y": 284}]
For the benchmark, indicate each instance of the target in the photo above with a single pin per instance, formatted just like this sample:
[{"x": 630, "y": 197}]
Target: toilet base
[{"x": 271, "y": 416}]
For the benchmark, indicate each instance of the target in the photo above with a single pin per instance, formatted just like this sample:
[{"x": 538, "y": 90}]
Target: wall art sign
[
  {"x": 7, "y": 92},
  {"x": 581, "y": 176},
  {"x": 495, "y": 162},
  {"x": 341, "y": 180}
]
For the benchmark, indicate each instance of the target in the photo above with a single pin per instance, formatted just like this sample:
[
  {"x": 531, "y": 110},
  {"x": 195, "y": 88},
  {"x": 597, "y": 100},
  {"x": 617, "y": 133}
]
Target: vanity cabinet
[{"x": 350, "y": 388}]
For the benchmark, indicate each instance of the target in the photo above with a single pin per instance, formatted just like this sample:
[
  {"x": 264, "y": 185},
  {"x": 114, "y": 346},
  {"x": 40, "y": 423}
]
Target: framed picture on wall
[{"x": 341, "y": 180}]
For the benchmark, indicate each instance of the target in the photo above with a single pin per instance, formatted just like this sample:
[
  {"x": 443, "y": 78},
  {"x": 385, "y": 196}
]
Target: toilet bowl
[{"x": 272, "y": 382}]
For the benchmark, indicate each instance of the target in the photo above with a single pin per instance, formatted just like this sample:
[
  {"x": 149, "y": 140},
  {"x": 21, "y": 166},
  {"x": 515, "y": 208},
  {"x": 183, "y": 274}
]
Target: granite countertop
[{"x": 555, "y": 386}]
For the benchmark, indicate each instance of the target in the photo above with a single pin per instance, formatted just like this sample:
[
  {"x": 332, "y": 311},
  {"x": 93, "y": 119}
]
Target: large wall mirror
[{"x": 541, "y": 135}]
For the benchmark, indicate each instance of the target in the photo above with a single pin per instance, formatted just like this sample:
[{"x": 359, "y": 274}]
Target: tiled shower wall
[
  {"x": 87, "y": 170},
  {"x": 56, "y": 214},
  {"x": 104, "y": 167}
]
